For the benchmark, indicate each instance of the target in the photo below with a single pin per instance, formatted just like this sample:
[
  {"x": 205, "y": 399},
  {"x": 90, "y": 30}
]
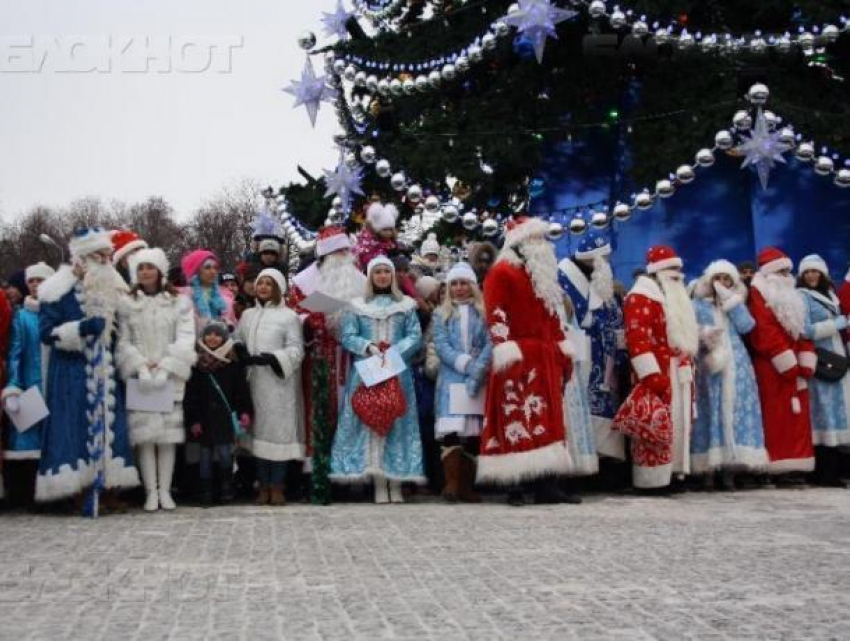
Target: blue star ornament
[
  {"x": 335, "y": 22},
  {"x": 344, "y": 182},
  {"x": 536, "y": 20},
  {"x": 310, "y": 91},
  {"x": 762, "y": 149}
]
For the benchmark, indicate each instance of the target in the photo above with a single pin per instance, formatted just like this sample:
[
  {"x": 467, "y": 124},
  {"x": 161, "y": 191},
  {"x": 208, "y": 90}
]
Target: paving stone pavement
[{"x": 772, "y": 564}]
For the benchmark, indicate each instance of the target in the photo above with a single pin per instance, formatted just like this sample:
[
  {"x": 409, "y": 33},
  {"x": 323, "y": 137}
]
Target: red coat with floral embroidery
[{"x": 523, "y": 436}]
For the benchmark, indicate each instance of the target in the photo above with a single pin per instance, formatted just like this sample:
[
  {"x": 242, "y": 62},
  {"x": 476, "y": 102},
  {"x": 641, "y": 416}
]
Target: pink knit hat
[{"x": 193, "y": 261}]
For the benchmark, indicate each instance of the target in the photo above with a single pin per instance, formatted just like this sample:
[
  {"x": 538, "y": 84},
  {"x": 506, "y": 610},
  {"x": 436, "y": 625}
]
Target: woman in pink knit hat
[{"x": 210, "y": 301}]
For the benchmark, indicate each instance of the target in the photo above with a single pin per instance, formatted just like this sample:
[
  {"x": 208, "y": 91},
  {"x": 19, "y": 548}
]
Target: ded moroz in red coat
[
  {"x": 782, "y": 363},
  {"x": 523, "y": 435}
]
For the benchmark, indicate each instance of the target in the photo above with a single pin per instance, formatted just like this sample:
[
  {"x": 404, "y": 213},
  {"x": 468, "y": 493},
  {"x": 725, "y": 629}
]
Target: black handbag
[{"x": 831, "y": 367}]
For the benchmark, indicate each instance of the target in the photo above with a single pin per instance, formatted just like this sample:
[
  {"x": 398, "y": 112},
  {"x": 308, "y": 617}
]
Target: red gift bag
[{"x": 380, "y": 405}]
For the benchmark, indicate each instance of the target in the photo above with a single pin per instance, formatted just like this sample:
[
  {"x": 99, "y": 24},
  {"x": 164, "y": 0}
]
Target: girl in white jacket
[
  {"x": 273, "y": 348},
  {"x": 156, "y": 345}
]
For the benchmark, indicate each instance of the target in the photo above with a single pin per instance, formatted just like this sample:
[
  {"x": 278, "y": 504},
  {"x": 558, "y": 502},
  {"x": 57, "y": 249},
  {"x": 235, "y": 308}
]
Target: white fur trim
[
  {"x": 330, "y": 245},
  {"x": 150, "y": 256},
  {"x": 68, "y": 337},
  {"x": 652, "y": 477},
  {"x": 685, "y": 374},
  {"x": 667, "y": 263},
  {"x": 824, "y": 329},
  {"x": 646, "y": 286},
  {"x": 67, "y": 481},
  {"x": 93, "y": 241},
  {"x": 276, "y": 277},
  {"x": 39, "y": 270},
  {"x": 275, "y": 451},
  {"x": 506, "y": 354},
  {"x": 583, "y": 465},
  {"x": 645, "y": 365},
  {"x": 796, "y": 407},
  {"x": 732, "y": 302},
  {"x": 784, "y": 361},
  {"x": 735, "y": 458},
  {"x": 604, "y": 250},
  {"x": 802, "y": 384},
  {"x": 360, "y": 307},
  {"x": 529, "y": 229},
  {"x": 371, "y": 474},
  {"x": 132, "y": 246},
  {"x": 791, "y": 465},
  {"x": 21, "y": 455},
  {"x": 462, "y": 362},
  {"x": 510, "y": 468},
  {"x": 808, "y": 360},
  {"x": 776, "y": 265},
  {"x": 813, "y": 261},
  {"x": 58, "y": 285},
  {"x": 567, "y": 348}
]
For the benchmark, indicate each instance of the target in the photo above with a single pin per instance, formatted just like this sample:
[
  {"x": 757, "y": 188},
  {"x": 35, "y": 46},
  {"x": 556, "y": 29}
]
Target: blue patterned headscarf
[{"x": 212, "y": 307}]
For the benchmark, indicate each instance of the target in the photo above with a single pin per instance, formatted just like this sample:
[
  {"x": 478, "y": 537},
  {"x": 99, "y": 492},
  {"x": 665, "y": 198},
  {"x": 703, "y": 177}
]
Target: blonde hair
[
  {"x": 395, "y": 292},
  {"x": 448, "y": 306}
]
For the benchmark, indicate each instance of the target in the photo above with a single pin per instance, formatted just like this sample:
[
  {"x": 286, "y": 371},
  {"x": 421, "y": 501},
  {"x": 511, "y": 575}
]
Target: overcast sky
[{"x": 125, "y": 133}]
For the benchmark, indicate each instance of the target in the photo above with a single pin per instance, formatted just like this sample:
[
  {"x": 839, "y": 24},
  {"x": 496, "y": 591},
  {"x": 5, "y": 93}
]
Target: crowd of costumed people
[{"x": 378, "y": 372}]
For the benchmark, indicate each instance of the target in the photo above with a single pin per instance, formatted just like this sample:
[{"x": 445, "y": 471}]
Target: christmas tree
[{"x": 450, "y": 107}]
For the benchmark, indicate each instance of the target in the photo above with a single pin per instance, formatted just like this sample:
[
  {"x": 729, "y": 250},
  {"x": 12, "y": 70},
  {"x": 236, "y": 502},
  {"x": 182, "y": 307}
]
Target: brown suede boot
[
  {"x": 466, "y": 491},
  {"x": 276, "y": 497},
  {"x": 452, "y": 461},
  {"x": 262, "y": 496}
]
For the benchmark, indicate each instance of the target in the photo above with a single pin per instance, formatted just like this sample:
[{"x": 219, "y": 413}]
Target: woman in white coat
[
  {"x": 156, "y": 345},
  {"x": 273, "y": 347}
]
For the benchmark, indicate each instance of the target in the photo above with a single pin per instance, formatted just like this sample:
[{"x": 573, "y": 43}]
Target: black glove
[
  {"x": 267, "y": 360},
  {"x": 242, "y": 353}
]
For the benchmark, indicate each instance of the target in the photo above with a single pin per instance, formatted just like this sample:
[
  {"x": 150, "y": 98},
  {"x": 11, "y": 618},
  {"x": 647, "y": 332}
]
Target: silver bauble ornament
[
  {"x": 824, "y": 166},
  {"x": 368, "y": 154},
  {"x": 337, "y": 205},
  {"x": 685, "y": 40},
  {"x": 787, "y": 137},
  {"x": 723, "y": 140},
  {"x": 470, "y": 220},
  {"x": 450, "y": 214},
  {"x": 842, "y": 178},
  {"x": 339, "y": 66},
  {"x": 351, "y": 160},
  {"x": 307, "y": 40},
  {"x": 618, "y": 19},
  {"x": 640, "y": 29},
  {"x": 398, "y": 181},
  {"x": 449, "y": 73},
  {"x": 597, "y": 9},
  {"x": 414, "y": 193},
  {"x": 462, "y": 64},
  {"x": 360, "y": 79},
  {"x": 705, "y": 158},
  {"x": 599, "y": 219},
  {"x": 432, "y": 204},
  {"x": 805, "y": 152},
  {"x": 501, "y": 28},
  {"x": 830, "y": 33},
  {"x": 708, "y": 43},
  {"x": 488, "y": 42},
  {"x": 784, "y": 44},
  {"x": 771, "y": 119},
  {"x": 475, "y": 54},
  {"x": 422, "y": 84},
  {"x": 578, "y": 226},
  {"x": 758, "y": 94},
  {"x": 555, "y": 232},
  {"x": 644, "y": 200},
  {"x": 758, "y": 45},
  {"x": 372, "y": 84},
  {"x": 409, "y": 87},
  {"x": 665, "y": 188},
  {"x": 685, "y": 174},
  {"x": 622, "y": 212},
  {"x": 434, "y": 79},
  {"x": 350, "y": 73},
  {"x": 384, "y": 87},
  {"x": 489, "y": 227},
  {"x": 396, "y": 88},
  {"x": 383, "y": 168},
  {"x": 742, "y": 120},
  {"x": 662, "y": 36},
  {"x": 806, "y": 42}
]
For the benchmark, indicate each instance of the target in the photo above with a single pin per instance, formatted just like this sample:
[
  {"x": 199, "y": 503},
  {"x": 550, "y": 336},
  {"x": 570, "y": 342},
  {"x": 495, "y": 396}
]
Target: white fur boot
[
  {"x": 147, "y": 468},
  {"x": 381, "y": 493},
  {"x": 395, "y": 492},
  {"x": 166, "y": 455}
]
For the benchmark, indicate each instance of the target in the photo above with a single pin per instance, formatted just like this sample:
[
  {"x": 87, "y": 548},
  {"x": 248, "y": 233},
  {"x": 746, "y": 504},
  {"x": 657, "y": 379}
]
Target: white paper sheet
[
  {"x": 31, "y": 410},
  {"x": 378, "y": 369},
  {"x": 320, "y": 303},
  {"x": 156, "y": 400},
  {"x": 461, "y": 403}
]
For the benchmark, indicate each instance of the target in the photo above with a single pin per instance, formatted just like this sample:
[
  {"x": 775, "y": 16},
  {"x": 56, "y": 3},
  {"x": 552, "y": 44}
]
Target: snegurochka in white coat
[
  {"x": 274, "y": 339},
  {"x": 156, "y": 345}
]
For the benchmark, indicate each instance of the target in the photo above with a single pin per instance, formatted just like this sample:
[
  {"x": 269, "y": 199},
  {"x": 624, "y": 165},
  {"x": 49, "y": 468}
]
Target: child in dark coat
[{"x": 217, "y": 390}]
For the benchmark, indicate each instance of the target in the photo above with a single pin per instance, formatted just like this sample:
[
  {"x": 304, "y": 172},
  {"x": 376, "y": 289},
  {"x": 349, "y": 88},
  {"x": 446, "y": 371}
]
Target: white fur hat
[
  {"x": 268, "y": 245},
  {"x": 148, "y": 256},
  {"x": 430, "y": 245},
  {"x": 277, "y": 277},
  {"x": 813, "y": 261},
  {"x": 88, "y": 241},
  {"x": 39, "y": 270},
  {"x": 461, "y": 271},
  {"x": 381, "y": 217},
  {"x": 426, "y": 285},
  {"x": 379, "y": 260}
]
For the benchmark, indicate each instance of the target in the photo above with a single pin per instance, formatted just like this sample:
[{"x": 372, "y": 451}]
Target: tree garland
[{"x": 322, "y": 432}]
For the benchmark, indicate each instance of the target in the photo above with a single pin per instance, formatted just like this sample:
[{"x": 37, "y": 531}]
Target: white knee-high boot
[
  {"x": 381, "y": 490},
  {"x": 147, "y": 467},
  {"x": 395, "y": 492},
  {"x": 166, "y": 455}
]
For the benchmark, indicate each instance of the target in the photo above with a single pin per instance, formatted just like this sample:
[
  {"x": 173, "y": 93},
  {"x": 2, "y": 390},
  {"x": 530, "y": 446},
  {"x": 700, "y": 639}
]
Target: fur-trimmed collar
[
  {"x": 363, "y": 308},
  {"x": 581, "y": 282},
  {"x": 830, "y": 301},
  {"x": 646, "y": 286},
  {"x": 55, "y": 287}
]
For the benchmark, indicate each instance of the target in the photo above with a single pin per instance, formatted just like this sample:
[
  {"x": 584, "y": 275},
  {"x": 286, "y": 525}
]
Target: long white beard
[
  {"x": 602, "y": 279},
  {"x": 339, "y": 278},
  {"x": 102, "y": 288},
  {"x": 682, "y": 328},
  {"x": 542, "y": 265},
  {"x": 784, "y": 301}
]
